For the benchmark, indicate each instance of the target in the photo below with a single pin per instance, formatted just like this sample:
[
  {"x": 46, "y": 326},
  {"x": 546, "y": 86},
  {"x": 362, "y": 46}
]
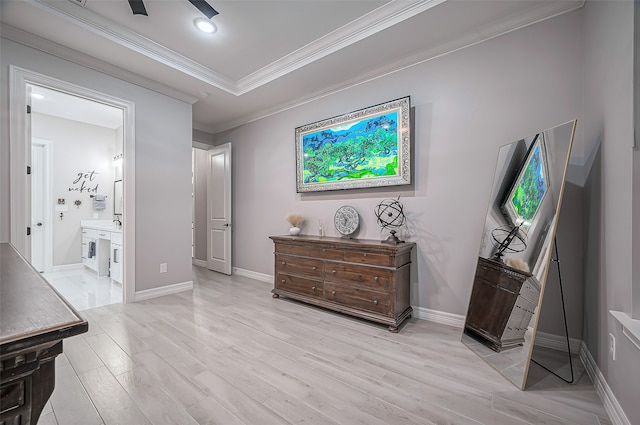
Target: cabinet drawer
[
  {"x": 375, "y": 259},
  {"x": 326, "y": 253},
  {"x": 358, "y": 298},
  {"x": 498, "y": 279},
  {"x": 362, "y": 276},
  {"x": 299, "y": 285},
  {"x": 291, "y": 249},
  {"x": 116, "y": 237},
  {"x": 297, "y": 265},
  {"x": 89, "y": 233},
  {"x": 104, "y": 235},
  {"x": 12, "y": 395},
  {"x": 530, "y": 292}
]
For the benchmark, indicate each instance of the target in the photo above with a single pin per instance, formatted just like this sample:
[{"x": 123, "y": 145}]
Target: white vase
[{"x": 294, "y": 231}]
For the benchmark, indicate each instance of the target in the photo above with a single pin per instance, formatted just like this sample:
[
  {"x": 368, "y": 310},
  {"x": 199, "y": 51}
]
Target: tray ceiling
[{"x": 266, "y": 55}]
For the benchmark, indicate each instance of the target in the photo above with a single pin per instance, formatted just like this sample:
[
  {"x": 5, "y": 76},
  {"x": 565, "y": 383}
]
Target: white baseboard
[
  {"x": 253, "y": 275},
  {"x": 66, "y": 267},
  {"x": 455, "y": 320},
  {"x": 199, "y": 263},
  {"x": 557, "y": 342},
  {"x": 611, "y": 405},
  {"x": 163, "y": 290}
]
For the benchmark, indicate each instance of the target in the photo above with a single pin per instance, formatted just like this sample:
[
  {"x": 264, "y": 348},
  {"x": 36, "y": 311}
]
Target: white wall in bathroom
[{"x": 82, "y": 165}]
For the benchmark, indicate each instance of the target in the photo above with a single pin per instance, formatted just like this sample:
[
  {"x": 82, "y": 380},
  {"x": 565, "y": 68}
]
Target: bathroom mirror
[
  {"x": 117, "y": 197},
  {"x": 515, "y": 250}
]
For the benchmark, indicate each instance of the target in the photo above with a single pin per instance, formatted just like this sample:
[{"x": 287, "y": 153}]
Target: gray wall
[
  {"x": 466, "y": 105},
  {"x": 608, "y": 88},
  {"x": 162, "y": 163}
]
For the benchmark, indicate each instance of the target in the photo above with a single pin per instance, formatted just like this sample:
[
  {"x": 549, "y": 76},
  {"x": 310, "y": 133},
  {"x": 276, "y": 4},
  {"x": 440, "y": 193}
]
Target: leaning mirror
[{"x": 515, "y": 250}]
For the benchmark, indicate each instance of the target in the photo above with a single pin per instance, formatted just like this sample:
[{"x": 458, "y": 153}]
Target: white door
[
  {"x": 219, "y": 209},
  {"x": 38, "y": 205}
]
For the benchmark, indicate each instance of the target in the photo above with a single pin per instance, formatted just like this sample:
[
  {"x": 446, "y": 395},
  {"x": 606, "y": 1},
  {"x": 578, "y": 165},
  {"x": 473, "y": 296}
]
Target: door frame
[
  {"x": 48, "y": 223},
  {"x": 20, "y": 153}
]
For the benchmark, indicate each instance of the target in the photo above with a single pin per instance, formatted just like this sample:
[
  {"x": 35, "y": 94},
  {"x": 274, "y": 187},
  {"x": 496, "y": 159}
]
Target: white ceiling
[
  {"x": 267, "y": 55},
  {"x": 63, "y": 105}
]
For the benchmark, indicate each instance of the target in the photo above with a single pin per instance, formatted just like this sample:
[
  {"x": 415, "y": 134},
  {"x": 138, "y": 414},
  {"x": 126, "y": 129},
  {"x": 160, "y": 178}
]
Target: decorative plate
[{"x": 346, "y": 220}]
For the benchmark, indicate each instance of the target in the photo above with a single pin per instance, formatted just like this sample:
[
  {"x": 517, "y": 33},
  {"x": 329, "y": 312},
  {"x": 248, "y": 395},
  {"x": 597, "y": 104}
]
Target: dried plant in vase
[{"x": 295, "y": 220}]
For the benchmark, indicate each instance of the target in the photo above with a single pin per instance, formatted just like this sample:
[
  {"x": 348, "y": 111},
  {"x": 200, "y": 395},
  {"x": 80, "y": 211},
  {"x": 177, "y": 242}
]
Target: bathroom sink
[{"x": 106, "y": 225}]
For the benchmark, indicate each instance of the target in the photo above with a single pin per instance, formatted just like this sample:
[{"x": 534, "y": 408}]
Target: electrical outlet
[
  {"x": 163, "y": 267},
  {"x": 612, "y": 346}
]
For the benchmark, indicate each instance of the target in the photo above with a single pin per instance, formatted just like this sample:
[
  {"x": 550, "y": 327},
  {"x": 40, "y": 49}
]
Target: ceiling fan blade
[
  {"x": 137, "y": 7},
  {"x": 203, "y": 7}
]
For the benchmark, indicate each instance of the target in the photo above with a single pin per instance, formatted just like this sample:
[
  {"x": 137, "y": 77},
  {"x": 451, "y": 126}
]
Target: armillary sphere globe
[
  {"x": 508, "y": 239},
  {"x": 390, "y": 215}
]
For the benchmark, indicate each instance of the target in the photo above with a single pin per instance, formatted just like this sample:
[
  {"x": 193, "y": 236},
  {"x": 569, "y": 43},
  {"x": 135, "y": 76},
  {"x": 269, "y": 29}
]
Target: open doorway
[
  {"x": 76, "y": 169},
  {"x": 20, "y": 104}
]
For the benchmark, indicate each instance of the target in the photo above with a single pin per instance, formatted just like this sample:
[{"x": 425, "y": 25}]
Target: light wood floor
[{"x": 228, "y": 353}]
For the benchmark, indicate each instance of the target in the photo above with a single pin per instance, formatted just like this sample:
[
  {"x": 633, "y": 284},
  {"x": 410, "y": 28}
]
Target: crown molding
[
  {"x": 377, "y": 20},
  {"x": 119, "y": 34},
  {"x": 373, "y": 22},
  {"x": 47, "y": 46},
  {"x": 534, "y": 16}
]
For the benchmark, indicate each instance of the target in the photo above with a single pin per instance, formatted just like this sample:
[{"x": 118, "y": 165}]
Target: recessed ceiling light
[
  {"x": 37, "y": 96},
  {"x": 205, "y": 25}
]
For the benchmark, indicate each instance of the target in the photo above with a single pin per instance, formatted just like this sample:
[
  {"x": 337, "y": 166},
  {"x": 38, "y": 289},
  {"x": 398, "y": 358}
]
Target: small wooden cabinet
[
  {"x": 34, "y": 320},
  {"x": 363, "y": 278},
  {"x": 503, "y": 301}
]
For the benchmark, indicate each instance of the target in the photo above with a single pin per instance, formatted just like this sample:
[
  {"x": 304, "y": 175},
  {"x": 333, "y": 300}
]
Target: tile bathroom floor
[{"x": 84, "y": 289}]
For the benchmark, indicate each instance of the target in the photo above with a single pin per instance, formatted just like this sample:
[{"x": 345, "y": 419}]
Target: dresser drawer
[
  {"x": 297, "y": 265},
  {"x": 291, "y": 249},
  {"x": 357, "y": 297},
  {"x": 530, "y": 292},
  {"x": 326, "y": 253},
  {"x": 372, "y": 278},
  {"x": 503, "y": 279},
  {"x": 299, "y": 285},
  {"x": 375, "y": 259}
]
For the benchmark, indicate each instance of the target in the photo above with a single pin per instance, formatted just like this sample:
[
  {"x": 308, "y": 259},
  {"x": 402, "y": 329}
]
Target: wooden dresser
[
  {"x": 503, "y": 301},
  {"x": 34, "y": 320},
  {"x": 363, "y": 278}
]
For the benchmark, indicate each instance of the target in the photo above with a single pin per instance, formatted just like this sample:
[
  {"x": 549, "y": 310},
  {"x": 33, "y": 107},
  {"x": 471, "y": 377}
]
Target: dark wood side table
[{"x": 34, "y": 319}]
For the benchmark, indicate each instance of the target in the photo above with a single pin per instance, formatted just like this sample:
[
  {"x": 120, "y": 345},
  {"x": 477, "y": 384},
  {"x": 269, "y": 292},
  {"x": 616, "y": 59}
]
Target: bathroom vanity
[{"x": 102, "y": 248}]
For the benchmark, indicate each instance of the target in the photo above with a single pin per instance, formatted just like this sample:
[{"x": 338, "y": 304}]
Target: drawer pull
[
  {"x": 333, "y": 292},
  {"x": 333, "y": 271},
  {"x": 313, "y": 268},
  {"x": 282, "y": 281},
  {"x": 313, "y": 288},
  {"x": 365, "y": 254},
  {"x": 376, "y": 278},
  {"x": 283, "y": 263},
  {"x": 375, "y": 302}
]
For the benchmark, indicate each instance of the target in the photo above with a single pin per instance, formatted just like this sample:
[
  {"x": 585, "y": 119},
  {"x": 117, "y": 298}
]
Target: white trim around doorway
[{"x": 19, "y": 137}]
